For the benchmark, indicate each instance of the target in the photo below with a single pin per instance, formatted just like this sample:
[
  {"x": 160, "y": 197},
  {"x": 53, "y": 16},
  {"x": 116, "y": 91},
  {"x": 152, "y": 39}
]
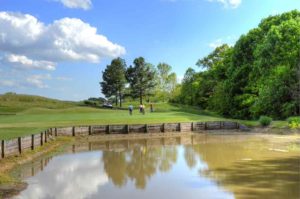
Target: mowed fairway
[
  {"x": 24, "y": 114},
  {"x": 37, "y": 119}
]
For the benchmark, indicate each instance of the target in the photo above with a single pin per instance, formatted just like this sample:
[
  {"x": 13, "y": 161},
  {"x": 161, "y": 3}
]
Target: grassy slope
[
  {"x": 33, "y": 114},
  {"x": 14, "y": 103}
]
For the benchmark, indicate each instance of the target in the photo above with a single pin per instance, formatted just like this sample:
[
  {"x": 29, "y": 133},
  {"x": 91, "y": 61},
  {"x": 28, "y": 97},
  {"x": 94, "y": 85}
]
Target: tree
[
  {"x": 166, "y": 81},
  {"x": 189, "y": 87},
  {"x": 215, "y": 58},
  {"x": 259, "y": 75},
  {"x": 151, "y": 92},
  {"x": 215, "y": 66},
  {"x": 141, "y": 78},
  {"x": 114, "y": 80}
]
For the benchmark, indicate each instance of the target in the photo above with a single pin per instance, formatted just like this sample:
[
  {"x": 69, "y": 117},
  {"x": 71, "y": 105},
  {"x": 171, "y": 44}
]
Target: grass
[
  {"x": 34, "y": 120},
  {"x": 6, "y": 179},
  {"x": 12, "y": 103},
  {"x": 23, "y": 115}
]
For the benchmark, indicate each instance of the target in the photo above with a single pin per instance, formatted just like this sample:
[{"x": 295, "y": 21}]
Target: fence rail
[{"x": 18, "y": 145}]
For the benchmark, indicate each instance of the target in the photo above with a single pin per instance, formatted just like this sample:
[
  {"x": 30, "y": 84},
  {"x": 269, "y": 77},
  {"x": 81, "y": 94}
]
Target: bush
[
  {"x": 89, "y": 103},
  {"x": 294, "y": 122},
  {"x": 265, "y": 121}
]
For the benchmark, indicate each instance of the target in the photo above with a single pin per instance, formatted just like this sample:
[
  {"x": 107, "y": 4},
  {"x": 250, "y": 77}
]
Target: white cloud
[
  {"x": 22, "y": 79},
  {"x": 62, "y": 78},
  {"x": 216, "y": 43},
  {"x": 8, "y": 83},
  {"x": 228, "y": 3},
  {"x": 32, "y": 44},
  {"x": 82, "y": 4},
  {"x": 230, "y": 40},
  {"x": 37, "y": 80},
  {"x": 28, "y": 44},
  {"x": 21, "y": 61}
]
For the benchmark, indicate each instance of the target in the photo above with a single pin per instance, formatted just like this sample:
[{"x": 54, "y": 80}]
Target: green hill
[{"x": 11, "y": 103}]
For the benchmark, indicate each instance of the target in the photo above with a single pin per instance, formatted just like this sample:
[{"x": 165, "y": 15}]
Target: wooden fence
[{"x": 19, "y": 145}]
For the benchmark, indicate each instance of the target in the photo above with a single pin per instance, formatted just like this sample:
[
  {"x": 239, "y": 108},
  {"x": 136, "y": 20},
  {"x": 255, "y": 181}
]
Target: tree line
[
  {"x": 139, "y": 80},
  {"x": 259, "y": 75}
]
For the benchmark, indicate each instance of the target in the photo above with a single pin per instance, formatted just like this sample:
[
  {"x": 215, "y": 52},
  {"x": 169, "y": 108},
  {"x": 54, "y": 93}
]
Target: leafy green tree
[
  {"x": 277, "y": 64},
  {"x": 141, "y": 78},
  {"x": 215, "y": 66},
  {"x": 152, "y": 91},
  {"x": 166, "y": 81},
  {"x": 189, "y": 87},
  {"x": 113, "y": 80},
  {"x": 259, "y": 75},
  {"x": 176, "y": 94}
]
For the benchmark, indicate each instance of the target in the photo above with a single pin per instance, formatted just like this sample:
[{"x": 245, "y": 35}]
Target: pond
[{"x": 189, "y": 166}]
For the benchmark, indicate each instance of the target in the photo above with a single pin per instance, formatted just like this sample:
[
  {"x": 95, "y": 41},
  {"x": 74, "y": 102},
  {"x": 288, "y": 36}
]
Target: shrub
[
  {"x": 89, "y": 103},
  {"x": 294, "y": 122},
  {"x": 265, "y": 121}
]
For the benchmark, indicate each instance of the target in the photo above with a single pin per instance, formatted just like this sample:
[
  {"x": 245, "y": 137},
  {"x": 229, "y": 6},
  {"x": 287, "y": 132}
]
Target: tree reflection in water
[
  {"x": 190, "y": 156},
  {"x": 215, "y": 157},
  {"x": 243, "y": 165},
  {"x": 247, "y": 167},
  {"x": 115, "y": 167},
  {"x": 138, "y": 164}
]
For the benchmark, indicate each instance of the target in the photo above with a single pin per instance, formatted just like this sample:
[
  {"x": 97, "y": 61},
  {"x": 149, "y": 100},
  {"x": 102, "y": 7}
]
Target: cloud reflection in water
[{"x": 74, "y": 176}]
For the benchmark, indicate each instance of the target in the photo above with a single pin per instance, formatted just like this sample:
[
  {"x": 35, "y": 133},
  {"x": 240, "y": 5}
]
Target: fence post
[
  {"x": 32, "y": 142},
  {"x": 90, "y": 130},
  {"x": 237, "y": 125},
  {"x": 146, "y": 128},
  {"x": 42, "y": 140},
  {"x": 46, "y": 134},
  {"x": 205, "y": 125},
  {"x": 127, "y": 128},
  {"x": 163, "y": 129},
  {"x": 73, "y": 131},
  {"x": 179, "y": 126},
  {"x": 55, "y": 131},
  {"x": 108, "y": 129},
  {"x": 3, "y": 148},
  {"x": 20, "y": 145},
  {"x": 192, "y": 126}
]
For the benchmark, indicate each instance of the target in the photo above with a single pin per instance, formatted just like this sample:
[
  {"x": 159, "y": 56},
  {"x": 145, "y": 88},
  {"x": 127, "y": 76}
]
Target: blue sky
[{"x": 58, "y": 48}]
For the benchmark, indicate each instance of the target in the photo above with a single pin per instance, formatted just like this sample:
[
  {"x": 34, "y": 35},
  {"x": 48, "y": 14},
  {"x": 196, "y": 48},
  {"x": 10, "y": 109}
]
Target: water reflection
[
  {"x": 198, "y": 166},
  {"x": 190, "y": 156},
  {"x": 271, "y": 178},
  {"x": 138, "y": 164},
  {"x": 67, "y": 177},
  {"x": 248, "y": 167}
]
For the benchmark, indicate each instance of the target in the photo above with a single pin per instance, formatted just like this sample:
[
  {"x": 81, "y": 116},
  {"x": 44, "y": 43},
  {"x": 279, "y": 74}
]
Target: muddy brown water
[{"x": 210, "y": 166}]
